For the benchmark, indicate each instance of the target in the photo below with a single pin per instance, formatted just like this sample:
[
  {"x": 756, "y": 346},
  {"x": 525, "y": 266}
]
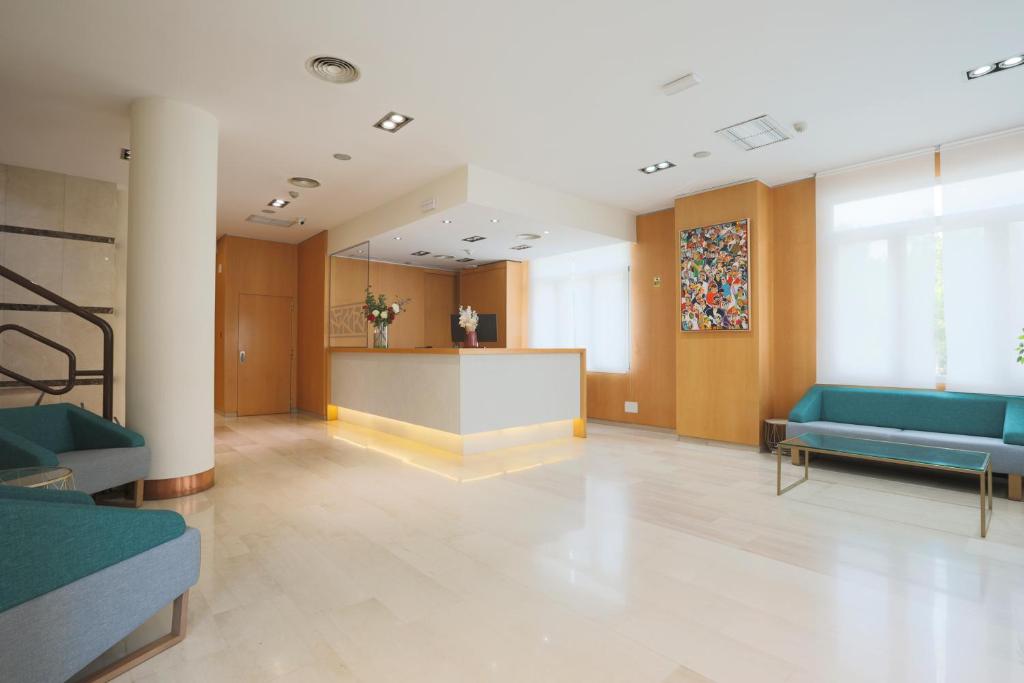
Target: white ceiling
[
  {"x": 432, "y": 234},
  {"x": 563, "y": 94}
]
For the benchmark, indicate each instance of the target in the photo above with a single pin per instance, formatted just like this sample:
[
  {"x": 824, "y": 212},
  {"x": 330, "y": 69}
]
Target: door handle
[{"x": 241, "y": 356}]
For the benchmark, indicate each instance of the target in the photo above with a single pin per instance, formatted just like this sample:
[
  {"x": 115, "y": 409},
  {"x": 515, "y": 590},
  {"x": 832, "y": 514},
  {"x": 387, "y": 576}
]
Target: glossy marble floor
[{"x": 330, "y": 554}]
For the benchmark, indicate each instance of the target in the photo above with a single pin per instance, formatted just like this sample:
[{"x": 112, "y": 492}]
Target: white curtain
[
  {"x": 581, "y": 299},
  {"x": 877, "y": 274},
  {"x": 983, "y": 263}
]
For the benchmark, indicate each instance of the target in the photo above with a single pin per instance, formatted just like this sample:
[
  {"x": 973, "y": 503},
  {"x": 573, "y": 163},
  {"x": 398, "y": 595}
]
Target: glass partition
[{"x": 350, "y": 276}]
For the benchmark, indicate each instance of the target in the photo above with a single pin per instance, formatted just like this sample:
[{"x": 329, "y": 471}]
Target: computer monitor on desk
[{"x": 486, "y": 329}]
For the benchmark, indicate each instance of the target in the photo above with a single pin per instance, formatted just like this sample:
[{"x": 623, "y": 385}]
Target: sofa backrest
[
  {"x": 46, "y": 425},
  {"x": 925, "y": 411}
]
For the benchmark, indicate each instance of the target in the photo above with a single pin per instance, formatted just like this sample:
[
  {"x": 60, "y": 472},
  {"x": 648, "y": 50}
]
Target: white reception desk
[{"x": 464, "y": 401}]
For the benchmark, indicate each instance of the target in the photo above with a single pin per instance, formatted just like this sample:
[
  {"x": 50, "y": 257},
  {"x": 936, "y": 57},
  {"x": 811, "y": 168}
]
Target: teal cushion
[
  {"x": 45, "y": 495},
  {"x": 1013, "y": 428},
  {"x": 62, "y": 427},
  {"x": 46, "y": 426},
  {"x": 809, "y": 407},
  {"x": 17, "y": 451},
  {"x": 925, "y": 411},
  {"x": 46, "y": 546}
]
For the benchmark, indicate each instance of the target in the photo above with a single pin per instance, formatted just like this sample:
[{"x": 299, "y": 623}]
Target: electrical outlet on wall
[{"x": 632, "y": 407}]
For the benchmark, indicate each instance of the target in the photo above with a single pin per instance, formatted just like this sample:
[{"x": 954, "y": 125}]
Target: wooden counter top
[{"x": 451, "y": 351}]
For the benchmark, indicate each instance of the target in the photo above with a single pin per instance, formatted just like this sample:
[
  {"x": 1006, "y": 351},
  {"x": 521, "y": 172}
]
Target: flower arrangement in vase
[
  {"x": 381, "y": 315},
  {"x": 468, "y": 320}
]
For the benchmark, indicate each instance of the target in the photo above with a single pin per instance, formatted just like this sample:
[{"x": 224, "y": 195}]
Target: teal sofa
[
  {"x": 77, "y": 578},
  {"x": 101, "y": 454},
  {"x": 982, "y": 422}
]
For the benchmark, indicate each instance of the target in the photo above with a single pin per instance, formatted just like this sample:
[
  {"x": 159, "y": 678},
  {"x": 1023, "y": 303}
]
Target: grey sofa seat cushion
[
  {"x": 104, "y": 468},
  {"x": 53, "y": 636},
  {"x": 1006, "y": 458},
  {"x": 842, "y": 429}
]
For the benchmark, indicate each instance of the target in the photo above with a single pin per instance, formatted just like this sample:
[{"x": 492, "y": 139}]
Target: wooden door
[{"x": 264, "y": 354}]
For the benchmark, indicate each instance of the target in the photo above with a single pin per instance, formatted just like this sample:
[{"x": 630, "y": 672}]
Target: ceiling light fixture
[
  {"x": 681, "y": 84},
  {"x": 307, "y": 183},
  {"x": 420, "y": 253},
  {"x": 995, "y": 67},
  {"x": 495, "y": 220},
  {"x": 278, "y": 203},
  {"x": 393, "y": 122},
  {"x": 397, "y": 238},
  {"x": 654, "y": 168},
  {"x": 343, "y": 157},
  {"x": 332, "y": 69},
  {"x": 520, "y": 247},
  {"x": 446, "y": 221},
  {"x": 473, "y": 238}
]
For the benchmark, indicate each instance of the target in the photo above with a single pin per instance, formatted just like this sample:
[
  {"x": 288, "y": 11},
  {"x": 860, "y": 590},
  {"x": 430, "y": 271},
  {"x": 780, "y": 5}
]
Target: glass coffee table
[
  {"x": 60, "y": 478},
  {"x": 976, "y": 463}
]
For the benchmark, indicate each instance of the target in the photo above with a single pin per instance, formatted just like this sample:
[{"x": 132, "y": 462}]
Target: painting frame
[{"x": 715, "y": 277}]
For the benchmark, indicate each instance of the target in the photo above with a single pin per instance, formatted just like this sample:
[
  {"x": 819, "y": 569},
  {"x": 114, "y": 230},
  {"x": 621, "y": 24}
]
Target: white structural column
[{"x": 172, "y": 238}]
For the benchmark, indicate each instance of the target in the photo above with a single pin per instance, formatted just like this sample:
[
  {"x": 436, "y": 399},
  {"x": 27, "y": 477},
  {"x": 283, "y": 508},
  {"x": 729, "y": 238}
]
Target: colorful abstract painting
[{"x": 714, "y": 272}]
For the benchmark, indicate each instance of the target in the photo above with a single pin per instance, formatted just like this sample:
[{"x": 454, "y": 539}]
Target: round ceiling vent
[
  {"x": 332, "y": 69},
  {"x": 308, "y": 183},
  {"x": 527, "y": 236}
]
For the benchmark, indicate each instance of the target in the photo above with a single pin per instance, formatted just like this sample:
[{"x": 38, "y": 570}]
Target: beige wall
[{"x": 86, "y": 272}]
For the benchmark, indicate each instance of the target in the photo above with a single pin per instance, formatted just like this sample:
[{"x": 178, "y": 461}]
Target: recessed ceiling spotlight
[
  {"x": 654, "y": 168},
  {"x": 446, "y": 221},
  {"x": 343, "y": 157},
  {"x": 527, "y": 236},
  {"x": 420, "y": 253},
  {"x": 393, "y": 122},
  {"x": 293, "y": 194},
  {"x": 397, "y": 238},
  {"x": 995, "y": 67},
  {"x": 701, "y": 154},
  {"x": 473, "y": 238},
  {"x": 547, "y": 232},
  {"x": 307, "y": 183},
  {"x": 332, "y": 69},
  {"x": 278, "y": 203},
  {"x": 495, "y": 220}
]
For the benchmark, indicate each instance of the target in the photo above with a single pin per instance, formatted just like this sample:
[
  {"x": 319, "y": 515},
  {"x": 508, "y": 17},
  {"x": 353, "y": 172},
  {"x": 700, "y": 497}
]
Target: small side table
[
  {"x": 58, "y": 478},
  {"x": 774, "y": 432}
]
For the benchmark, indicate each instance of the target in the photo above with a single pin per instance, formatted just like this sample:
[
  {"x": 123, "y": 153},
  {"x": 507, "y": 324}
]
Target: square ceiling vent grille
[{"x": 755, "y": 133}]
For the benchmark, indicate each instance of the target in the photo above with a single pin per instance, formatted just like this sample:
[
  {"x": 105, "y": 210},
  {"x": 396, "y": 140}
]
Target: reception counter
[{"x": 464, "y": 401}]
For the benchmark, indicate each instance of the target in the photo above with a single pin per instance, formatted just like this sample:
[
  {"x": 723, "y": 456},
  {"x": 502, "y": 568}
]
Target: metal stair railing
[{"x": 106, "y": 374}]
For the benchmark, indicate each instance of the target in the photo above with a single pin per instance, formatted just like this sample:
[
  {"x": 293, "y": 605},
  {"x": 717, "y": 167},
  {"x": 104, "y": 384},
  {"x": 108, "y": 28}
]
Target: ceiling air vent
[
  {"x": 758, "y": 132},
  {"x": 263, "y": 220},
  {"x": 520, "y": 247},
  {"x": 332, "y": 69}
]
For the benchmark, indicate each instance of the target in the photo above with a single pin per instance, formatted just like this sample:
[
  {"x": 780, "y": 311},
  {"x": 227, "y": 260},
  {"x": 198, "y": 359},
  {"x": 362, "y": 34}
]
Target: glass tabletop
[
  {"x": 33, "y": 476},
  {"x": 933, "y": 456}
]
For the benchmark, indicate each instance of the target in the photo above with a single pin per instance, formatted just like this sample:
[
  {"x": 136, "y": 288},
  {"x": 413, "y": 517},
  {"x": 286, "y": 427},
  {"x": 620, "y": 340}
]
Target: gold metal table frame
[{"x": 799, "y": 451}]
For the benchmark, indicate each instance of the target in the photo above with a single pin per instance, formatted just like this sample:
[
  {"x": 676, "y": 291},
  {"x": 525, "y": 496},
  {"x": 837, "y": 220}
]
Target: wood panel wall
[
  {"x": 499, "y": 288},
  {"x": 794, "y": 294},
  {"x": 311, "y": 342},
  {"x": 246, "y": 266},
  {"x": 431, "y": 295},
  {"x": 651, "y": 380},
  {"x": 722, "y": 377}
]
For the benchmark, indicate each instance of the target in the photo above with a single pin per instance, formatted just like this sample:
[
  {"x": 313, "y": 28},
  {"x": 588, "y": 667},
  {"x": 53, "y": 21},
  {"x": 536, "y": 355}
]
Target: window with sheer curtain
[
  {"x": 919, "y": 277},
  {"x": 581, "y": 299}
]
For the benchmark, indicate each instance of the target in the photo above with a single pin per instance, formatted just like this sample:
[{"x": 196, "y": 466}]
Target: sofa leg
[
  {"x": 138, "y": 490},
  {"x": 794, "y": 456},
  {"x": 1015, "y": 491},
  {"x": 179, "y": 624}
]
